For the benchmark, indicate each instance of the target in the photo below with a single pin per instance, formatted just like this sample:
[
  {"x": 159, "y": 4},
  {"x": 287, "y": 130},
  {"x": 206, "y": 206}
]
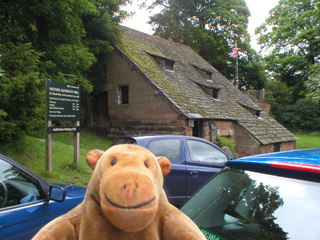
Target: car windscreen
[{"x": 238, "y": 204}]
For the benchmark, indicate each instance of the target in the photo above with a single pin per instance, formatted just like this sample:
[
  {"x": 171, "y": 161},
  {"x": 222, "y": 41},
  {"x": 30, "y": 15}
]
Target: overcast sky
[{"x": 259, "y": 10}]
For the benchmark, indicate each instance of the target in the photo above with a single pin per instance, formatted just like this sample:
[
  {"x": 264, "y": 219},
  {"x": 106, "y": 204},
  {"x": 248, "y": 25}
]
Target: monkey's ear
[
  {"x": 165, "y": 165},
  {"x": 93, "y": 157}
]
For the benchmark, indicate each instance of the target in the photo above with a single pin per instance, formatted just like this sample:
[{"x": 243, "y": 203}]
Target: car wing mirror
[{"x": 57, "y": 194}]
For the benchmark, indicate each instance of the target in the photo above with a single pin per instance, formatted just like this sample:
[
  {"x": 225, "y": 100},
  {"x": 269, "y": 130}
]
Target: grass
[
  {"x": 308, "y": 140},
  {"x": 64, "y": 169}
]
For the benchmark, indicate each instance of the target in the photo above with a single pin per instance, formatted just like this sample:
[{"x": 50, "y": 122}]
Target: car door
[
  {"x": 23, "y": 205},
  {"x": 204, "y": 160},
  {"x": 175, "y": 181}
]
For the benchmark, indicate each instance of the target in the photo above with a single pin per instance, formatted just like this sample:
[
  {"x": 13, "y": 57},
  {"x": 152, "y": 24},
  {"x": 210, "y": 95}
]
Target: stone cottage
[{"x": 156, "y": 86}]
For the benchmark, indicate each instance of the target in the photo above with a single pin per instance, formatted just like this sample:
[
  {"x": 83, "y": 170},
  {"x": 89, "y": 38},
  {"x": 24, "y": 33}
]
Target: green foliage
[
  {"x": 290, "y": 37},
  {"x": 102, "y": 30},
  {"x": 300, "y": 115},
  {"x": 212, "y": 28},
  {"x": 278, "y": 93},
  {"x": 41, "y": 40},
  {"x": 21, "y": 105},
  {"x": 303, "y": 115},
  {"x": 313, "y": 83},
  {"x": 223, "y": 141},
  {"x": 251, "y": 72}
]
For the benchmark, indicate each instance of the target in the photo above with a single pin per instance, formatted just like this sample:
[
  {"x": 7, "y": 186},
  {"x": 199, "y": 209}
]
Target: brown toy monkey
[{"x": 124, "y": 200}]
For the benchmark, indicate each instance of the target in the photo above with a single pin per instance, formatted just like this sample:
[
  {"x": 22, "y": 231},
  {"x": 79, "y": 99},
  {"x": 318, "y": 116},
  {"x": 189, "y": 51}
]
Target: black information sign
[{"x": 63, "y": 101}]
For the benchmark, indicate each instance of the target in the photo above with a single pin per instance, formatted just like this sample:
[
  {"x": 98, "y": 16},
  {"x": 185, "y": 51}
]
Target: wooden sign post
[{"x": 62, "y": 104}]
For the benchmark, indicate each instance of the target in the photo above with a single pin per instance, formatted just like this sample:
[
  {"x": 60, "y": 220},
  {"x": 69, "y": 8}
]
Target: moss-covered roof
[{"x": 183, "y": 87}]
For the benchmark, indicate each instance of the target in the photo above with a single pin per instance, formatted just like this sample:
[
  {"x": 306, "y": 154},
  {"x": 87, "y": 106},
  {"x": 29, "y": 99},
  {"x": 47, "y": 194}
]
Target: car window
[
  {"x": 125, "y": 140},
  {"x": 205, "y": 153},
  {"x": 239, "y": 204},
  {"x": 17, "y": 187},
  {"x": 170, "y": 148}
]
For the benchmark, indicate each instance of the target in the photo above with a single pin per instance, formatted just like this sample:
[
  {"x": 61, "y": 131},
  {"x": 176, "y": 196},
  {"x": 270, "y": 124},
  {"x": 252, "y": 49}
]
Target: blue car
[
  {"x": 194, "y": 161},
  {"x": 27, "y": 202},
  {"x": 267, "y": 196}
]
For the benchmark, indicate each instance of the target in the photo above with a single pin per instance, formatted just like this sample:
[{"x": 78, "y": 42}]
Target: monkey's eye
[
  {"x": 146, "y": 164},
  {"x": 113, "y": 161}
]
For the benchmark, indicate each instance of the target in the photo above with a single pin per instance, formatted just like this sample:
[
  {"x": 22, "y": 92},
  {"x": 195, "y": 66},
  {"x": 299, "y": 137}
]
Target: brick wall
[
  {"x": 245, "y": 143},
  {"x": 288, "y": 146},
  {"x": 267, "y": 148},
  {"x": 285, "y": 146},
  {"x": 146, "y": 112},
  {"x": 265, "y": 106},
  {"x": 144, "y": 101},
  {"x": 225, "y": 128}
]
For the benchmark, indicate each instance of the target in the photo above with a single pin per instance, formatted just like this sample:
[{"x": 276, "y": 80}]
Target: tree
[
  {"x": 313, "y": 83},
  {"x": 21, "y": 99},
  {"x": 102, "y": 30},
  {"x": 290, "y": 36},
  {"x": 212, "y": 28},
  {"x": 44, "y": 39},
  {"x": 300, "y": 115}
]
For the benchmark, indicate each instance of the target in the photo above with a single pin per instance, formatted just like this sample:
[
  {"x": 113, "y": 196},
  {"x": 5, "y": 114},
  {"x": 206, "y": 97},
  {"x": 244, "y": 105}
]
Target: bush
[
  {"x": 296, "y": 115},
  {"x": 21, "y": 92},
  {"x": 223, "y": 141},
  {"x": 304, "y": 115}
]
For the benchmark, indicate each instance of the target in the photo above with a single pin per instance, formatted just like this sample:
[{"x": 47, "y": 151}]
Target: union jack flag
[{"x": 234, "y": 52}]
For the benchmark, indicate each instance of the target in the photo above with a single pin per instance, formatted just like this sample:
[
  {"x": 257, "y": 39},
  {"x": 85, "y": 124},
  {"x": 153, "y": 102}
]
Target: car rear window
[
  {"x": 170, "y": 148},
  {"x": 125, "y": 140},
  {"x": 239, "y": 204}
]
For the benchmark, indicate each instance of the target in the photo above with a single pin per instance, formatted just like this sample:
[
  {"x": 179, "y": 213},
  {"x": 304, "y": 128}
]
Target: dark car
[
  {"x": 194, "y": 161},
  {"x": 27, "y": 202},
  {"x": 267, "y": 196}
]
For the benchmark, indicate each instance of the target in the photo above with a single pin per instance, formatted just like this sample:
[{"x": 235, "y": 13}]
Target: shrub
[
  {"x": 223, "y": 141},
  {"x": 21, "y": 92},
  {"x": 304, "y": 115}
]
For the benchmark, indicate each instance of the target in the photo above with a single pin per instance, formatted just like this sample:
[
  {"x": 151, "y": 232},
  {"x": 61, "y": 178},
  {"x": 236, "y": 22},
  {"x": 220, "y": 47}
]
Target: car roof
[
  {"x": 146, "y": 137},
  {"x": 152, "y": 135},
  {"x": 305, "y": 162}
]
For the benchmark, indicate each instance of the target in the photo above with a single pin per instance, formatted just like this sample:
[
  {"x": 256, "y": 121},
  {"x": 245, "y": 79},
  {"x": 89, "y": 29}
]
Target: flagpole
[
  {"x": 236, "y": 68},
  {"x": 235, "y": 54},
  {"x": 237, "y": 72}
]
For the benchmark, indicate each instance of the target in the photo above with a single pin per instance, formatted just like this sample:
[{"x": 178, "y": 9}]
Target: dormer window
[
  {"x": 258, "y": 114},
  {"x": 165, "y": 63},
  {"x": 215, "y": 93},
  {"x": 208, "y": 75},
  {"x": 211, "y": 90},
  {"x": 205, "y": 73},
  {"x": 168, "y": 64},
  {"x": 255, "y": 112}
]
